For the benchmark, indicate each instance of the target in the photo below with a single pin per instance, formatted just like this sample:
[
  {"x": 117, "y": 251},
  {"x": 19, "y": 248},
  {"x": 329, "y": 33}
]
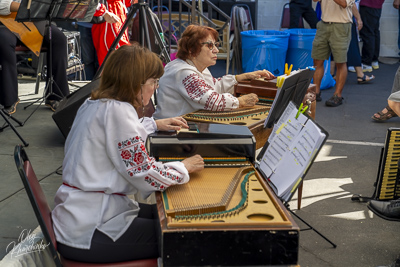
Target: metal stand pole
[
  {"x": 310, "y": 227},
  {"x": 49, "y": 86}
]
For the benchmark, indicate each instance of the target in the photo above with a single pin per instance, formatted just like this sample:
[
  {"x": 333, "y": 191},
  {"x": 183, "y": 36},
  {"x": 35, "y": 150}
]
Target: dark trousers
[
  {"x": 8, "y": 62},
  {"x": 353, "y": 54},
  {"x": 140, "y": 241},
  {"x": 298, "y": 11},
  {"x": 370, "y": 34}
]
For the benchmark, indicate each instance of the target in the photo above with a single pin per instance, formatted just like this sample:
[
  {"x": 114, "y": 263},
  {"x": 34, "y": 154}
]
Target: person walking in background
[
  {"x": 302, "y": 9},
  {"x": 333, "y": 36},
  {"x": 353, "y": 55},
  {"x": 370, "y": 11}
]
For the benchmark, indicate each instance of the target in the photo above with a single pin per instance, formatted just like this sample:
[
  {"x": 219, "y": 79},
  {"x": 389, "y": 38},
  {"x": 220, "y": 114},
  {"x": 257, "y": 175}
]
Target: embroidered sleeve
[
  {"x": 143, "y": 171},
  {"x": 201, "y": 92},
  {"x": 125, "y": 139}
]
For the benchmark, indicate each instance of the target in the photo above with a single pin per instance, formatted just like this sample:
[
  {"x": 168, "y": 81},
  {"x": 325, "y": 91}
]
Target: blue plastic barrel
[
  {"x": 264, "y": 50},
  {"x": 299, "y": 48}
]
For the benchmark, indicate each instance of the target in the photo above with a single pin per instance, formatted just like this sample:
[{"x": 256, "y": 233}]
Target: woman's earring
[{"x": 141, "y": 94}]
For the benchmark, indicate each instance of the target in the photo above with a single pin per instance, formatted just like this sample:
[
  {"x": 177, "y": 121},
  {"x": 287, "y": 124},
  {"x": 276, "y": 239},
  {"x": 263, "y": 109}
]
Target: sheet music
[
  {"x": 290, "y": 151},
  {"x": 283, "y": 134},
  {"x": 291, "y": 107}
]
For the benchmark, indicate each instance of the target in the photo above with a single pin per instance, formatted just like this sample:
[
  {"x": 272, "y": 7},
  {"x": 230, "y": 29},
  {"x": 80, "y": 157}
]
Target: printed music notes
[{"x": 292, "y": 147}]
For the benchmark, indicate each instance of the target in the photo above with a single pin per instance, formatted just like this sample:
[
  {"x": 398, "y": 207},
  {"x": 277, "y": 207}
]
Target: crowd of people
[{"x": 115, "y": 227}]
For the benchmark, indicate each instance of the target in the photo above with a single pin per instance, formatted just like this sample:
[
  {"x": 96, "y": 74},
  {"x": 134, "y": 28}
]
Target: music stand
[
  {"x": 50, "y": 10},
  {"x": 263, "y": 167}
]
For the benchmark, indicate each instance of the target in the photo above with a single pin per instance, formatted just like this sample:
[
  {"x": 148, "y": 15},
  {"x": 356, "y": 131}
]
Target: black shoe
[
  {"x": 389, "y": 210},
  {"x": 318, "y": 97},
  {"x": 53, "y": 104},
  {"x": 334, "y": 101},
  {"x": 11, "y": 109}
]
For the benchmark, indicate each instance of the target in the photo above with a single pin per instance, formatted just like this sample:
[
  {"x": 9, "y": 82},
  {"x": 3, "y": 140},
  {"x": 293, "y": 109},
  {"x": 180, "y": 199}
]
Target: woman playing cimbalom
[
  {"x": 187, "y": 85},
  {"x": 106, "y": 159}
]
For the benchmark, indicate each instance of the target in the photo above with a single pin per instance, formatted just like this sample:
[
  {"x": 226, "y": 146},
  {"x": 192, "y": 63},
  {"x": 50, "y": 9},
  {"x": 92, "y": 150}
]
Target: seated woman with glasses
[
  {"x": 187, "y": 85},
  {"x": 106, "y": 159}
]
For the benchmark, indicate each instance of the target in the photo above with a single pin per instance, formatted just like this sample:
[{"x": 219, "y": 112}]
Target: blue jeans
[{"x": 88, "y": 52}]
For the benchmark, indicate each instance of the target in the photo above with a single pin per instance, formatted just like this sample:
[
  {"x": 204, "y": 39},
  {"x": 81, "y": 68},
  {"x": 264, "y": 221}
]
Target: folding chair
[{"x": 43, "y": 215}]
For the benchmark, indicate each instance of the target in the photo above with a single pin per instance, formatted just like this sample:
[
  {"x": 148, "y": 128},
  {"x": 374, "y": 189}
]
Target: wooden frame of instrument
[{"x": 217, "y": 243}]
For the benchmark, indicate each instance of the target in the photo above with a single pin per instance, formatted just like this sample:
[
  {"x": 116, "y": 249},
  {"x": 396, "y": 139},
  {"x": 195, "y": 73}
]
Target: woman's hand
[
  {"x": 254, "y": 75},
  {"x": 111, "y": 17},
  {"x": 171, "y": 124},
  {"x": 248, "y": 100},
  {"x": 194, "y": 163}
]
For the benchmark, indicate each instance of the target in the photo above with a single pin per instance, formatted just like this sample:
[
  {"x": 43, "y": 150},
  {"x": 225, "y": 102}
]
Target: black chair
[{"x": 43, "y": 215}]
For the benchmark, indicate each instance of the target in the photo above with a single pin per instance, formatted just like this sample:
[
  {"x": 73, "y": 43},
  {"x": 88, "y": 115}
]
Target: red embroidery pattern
[
  {"x": 196, "y": 88},
  {"x": 216, "y": 80},
  {"x": 133, "y": 154}
]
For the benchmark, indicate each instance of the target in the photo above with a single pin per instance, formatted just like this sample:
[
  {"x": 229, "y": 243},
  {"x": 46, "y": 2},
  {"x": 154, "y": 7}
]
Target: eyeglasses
[
  {"x": 211, "y": 45},
  {"x": 156, "y": 82}
]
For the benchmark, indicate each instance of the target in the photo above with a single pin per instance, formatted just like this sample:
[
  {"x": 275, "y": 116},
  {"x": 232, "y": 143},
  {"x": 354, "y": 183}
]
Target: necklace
[{"x": 191, "y": 63}]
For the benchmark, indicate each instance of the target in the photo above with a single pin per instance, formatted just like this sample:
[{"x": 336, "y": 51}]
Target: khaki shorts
[{"x": 331, "y": 38}]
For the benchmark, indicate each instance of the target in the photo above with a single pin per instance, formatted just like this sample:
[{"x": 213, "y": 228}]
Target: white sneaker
[
  {"x": 375, "y": 65},
  {"x": 351, "y": 69},
  {"x": 366, "y": 68}
]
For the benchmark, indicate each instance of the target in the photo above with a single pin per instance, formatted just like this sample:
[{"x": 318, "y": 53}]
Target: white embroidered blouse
[
  {"x": 184, "y": 89},
  {"x": 105, "y": 157}
]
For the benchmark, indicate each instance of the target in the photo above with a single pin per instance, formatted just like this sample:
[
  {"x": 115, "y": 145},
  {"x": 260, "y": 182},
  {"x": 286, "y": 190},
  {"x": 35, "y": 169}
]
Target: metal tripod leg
[
  {"x": 50, "y": 82},
  {"x": 311, "y": 228},
  {"x": 12, "y": 126}
]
